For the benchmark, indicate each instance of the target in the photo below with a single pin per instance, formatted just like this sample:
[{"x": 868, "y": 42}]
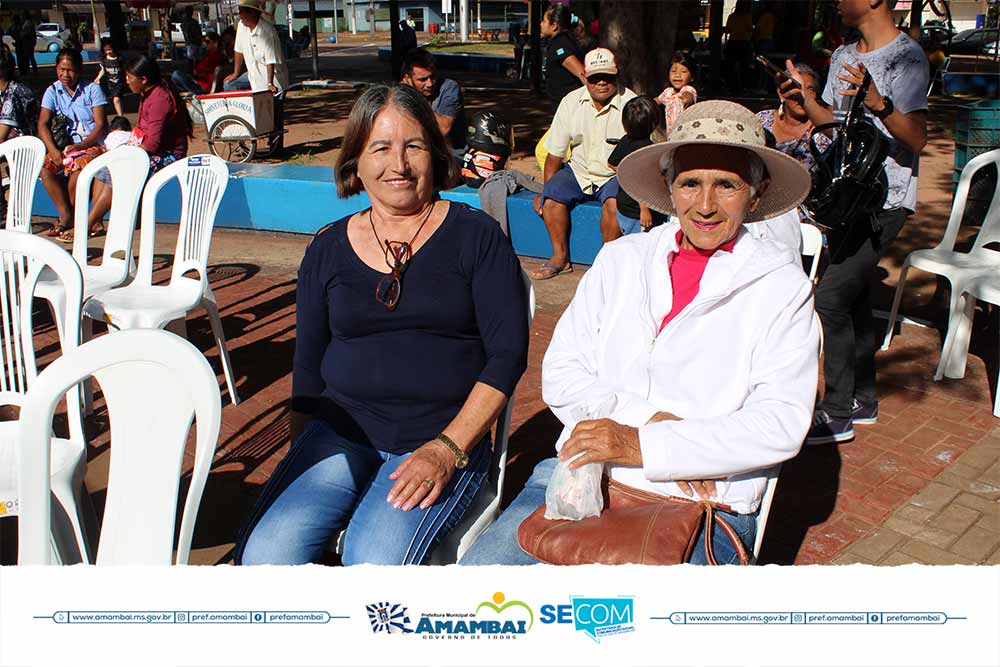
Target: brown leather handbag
[{"x": 635, "y": 527}]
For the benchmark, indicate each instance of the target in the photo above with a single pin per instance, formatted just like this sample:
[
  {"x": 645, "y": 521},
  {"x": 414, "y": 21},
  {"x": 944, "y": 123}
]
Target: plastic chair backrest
[
  {"x": 203, "y": 180},
  {"x": 812, "y": 246},
  {"x": 990, "y": 229},
  {"x": 22, "y": 258},
  {"x": 25, "y": 155},
  {"x": 765, "y": 508},
  {"x": 148, "y": 439},
  {"x": 498, "y": 463},
  {"x": 129, "y": 167}
]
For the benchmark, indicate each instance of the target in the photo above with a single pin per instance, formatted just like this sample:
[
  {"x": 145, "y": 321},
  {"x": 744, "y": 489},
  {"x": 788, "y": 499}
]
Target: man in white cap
[
  {"x": 585, "y": 120},
  {"x": 258, "y": 46}
]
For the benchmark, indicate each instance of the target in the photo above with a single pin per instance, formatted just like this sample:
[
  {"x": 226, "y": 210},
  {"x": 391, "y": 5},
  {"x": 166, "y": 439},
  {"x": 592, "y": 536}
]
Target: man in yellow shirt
[{"x": 585, "y": 120}]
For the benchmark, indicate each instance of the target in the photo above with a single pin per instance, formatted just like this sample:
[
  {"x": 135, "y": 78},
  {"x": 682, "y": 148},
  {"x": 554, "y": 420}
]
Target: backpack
[{"x": 849, "y": 179}]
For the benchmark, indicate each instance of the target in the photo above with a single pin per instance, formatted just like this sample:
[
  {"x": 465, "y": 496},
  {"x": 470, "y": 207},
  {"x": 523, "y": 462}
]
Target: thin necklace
[{"x": 412, "y": 239}]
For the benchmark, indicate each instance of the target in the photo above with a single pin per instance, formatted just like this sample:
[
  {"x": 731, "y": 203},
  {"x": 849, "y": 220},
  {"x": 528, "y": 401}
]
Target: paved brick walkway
[{"x": 920, "y": 486}]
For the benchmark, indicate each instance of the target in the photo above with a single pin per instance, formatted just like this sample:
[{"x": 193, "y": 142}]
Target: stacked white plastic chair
[
  {"x": 203, "y": 180},
  {"x": 22, "y": 257},
  {"x": 149, "y": 432},
  {"x": 960, "y": 268},
  {"x": 25, "y": 156},
  {"x": 128, "y": 166}
]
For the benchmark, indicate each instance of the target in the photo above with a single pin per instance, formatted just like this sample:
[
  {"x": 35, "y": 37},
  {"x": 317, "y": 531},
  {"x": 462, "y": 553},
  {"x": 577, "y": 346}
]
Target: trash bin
[{"x": 433, "y": 28}]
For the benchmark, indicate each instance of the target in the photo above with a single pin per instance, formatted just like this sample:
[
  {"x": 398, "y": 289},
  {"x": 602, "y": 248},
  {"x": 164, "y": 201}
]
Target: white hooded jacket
[{"x": 738, "y": 365}]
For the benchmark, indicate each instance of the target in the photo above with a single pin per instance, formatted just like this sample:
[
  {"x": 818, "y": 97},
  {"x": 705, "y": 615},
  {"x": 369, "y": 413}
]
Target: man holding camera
[{"x": 897, "y": 104}]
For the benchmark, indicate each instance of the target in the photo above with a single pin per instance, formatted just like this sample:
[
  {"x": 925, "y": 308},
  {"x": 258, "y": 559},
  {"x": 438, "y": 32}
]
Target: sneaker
[
  {"x": 864, "y": 413},
  {"x": 827, "y": 430}
]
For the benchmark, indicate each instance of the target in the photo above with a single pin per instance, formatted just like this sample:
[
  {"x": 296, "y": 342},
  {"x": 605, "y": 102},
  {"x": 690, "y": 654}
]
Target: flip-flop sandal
[
  {"x": 66, "y": 236},
  {"x": 55, "y": 230},
  {"x": 547, "y": 271},
  {"x": 97, "y": 230}
]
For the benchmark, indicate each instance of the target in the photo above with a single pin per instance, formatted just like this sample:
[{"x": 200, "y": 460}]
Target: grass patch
[{"x": 477, "y": 48}]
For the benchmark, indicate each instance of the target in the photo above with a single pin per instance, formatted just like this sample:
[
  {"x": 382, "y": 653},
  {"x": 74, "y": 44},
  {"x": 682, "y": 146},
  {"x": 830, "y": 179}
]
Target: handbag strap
[{"x": 712, "y": 517}]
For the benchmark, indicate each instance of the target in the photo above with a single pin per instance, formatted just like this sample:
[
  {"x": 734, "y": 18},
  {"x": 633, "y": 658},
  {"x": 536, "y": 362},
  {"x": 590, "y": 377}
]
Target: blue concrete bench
[{"x": 301, "y": 199}]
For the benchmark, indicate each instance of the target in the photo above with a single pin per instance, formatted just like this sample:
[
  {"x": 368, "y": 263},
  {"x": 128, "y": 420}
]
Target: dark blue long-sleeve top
[{"x": 396, "y": 379}]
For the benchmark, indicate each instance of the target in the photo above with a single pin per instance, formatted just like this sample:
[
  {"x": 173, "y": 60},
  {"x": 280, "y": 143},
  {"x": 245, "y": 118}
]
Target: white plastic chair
[
  {"x": 148, "y": 437},
  {"x": 486, "y": 507},
  {"x": 24, "y": 156},
  {"x": 129, "y": 166},
  {"x": 203, "y": 180},
  {"x": 22, "y": 258},
  {"x": 812, "y": 247},
  {"x": 957, "y": 267},
  {"x": 765, "y": 508},
  {"x": 955, "y": 350}
]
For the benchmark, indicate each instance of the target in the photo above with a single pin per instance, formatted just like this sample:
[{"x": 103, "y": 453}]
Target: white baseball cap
[{"x": 599, "y": 61}]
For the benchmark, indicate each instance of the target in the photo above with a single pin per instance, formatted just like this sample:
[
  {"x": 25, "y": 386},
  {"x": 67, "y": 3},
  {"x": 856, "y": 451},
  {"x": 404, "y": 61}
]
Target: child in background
[
  {"x": 112, "y": 74},
  {"x": 120, "y": 134},
  {"x": 680, "y": 94},
  {"x": 639, "y": 117}
]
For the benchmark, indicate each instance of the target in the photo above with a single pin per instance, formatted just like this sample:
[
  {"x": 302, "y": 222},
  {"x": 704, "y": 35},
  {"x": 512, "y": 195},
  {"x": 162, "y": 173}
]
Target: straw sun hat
[{"x": 718, "y": 123}]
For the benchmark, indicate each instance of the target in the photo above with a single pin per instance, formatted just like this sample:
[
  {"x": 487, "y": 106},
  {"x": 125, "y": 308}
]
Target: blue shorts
[{"x": 563, "y": 188}]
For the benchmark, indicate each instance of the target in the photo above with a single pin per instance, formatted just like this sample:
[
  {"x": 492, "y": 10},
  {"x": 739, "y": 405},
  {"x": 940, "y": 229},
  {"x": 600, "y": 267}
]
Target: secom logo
[{"x": 596, "y": 617}]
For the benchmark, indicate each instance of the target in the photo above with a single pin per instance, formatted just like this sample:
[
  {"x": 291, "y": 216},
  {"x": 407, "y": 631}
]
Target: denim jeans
[
  {"x": 498, "y": 545},
  {"x": 242, "y": 82},
  {"x": 327, "y": 483}
]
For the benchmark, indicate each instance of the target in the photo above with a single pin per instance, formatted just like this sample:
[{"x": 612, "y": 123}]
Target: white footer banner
[{"x": 853, "y": 615}]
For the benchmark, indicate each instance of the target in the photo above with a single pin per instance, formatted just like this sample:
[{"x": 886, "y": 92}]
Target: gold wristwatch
[{"x": 461, "y": 458}]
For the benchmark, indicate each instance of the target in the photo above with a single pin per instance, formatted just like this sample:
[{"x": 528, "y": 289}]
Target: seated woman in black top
[{"x": 411, "y": 334}]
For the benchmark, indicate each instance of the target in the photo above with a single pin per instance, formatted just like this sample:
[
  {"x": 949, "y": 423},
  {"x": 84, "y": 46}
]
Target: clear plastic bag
[{"x": 574, "y": 494}]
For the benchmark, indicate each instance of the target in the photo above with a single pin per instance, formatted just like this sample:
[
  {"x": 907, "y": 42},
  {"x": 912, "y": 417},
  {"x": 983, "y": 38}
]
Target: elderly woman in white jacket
[{"x": 687, "y": 361}]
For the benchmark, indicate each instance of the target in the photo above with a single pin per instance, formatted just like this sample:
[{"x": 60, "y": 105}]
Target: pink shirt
[{"x": 686, "y": 271}]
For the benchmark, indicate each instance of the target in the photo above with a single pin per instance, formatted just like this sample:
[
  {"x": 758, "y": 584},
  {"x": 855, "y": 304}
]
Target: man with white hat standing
[
  {"x": 585, "y": 120},
  {"x": 258, "y": 46}
]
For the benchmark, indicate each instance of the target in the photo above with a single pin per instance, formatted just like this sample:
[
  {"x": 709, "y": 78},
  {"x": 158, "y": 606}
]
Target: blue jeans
[
  {"x": 185, "y": 82},
  {"x": 633, "y": 226},
  {"x": 629, "y": 225},
  {"x": 327, "y": 483},
  {"x": 498, "y": 545},
  {"x": 242, "y": 82}
]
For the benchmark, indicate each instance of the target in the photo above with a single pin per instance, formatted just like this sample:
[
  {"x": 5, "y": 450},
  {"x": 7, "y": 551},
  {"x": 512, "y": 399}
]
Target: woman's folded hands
[{"x": 605, "y": 440}]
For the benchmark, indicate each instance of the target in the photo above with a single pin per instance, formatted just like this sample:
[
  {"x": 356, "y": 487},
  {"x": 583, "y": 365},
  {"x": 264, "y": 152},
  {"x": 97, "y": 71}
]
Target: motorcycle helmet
[{"x": 491, "y": 133}]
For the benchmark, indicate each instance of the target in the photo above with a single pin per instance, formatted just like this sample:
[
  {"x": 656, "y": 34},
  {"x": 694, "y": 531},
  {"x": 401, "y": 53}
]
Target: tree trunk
[
  {"x": 395, "y": 41},
  {"x": 115, "y": 18},
  {"x": 641, "y": 34}
]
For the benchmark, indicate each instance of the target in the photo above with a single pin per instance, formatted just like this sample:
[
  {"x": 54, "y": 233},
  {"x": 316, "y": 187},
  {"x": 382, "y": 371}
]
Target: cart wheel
[{"x": 228, "y": 128}]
